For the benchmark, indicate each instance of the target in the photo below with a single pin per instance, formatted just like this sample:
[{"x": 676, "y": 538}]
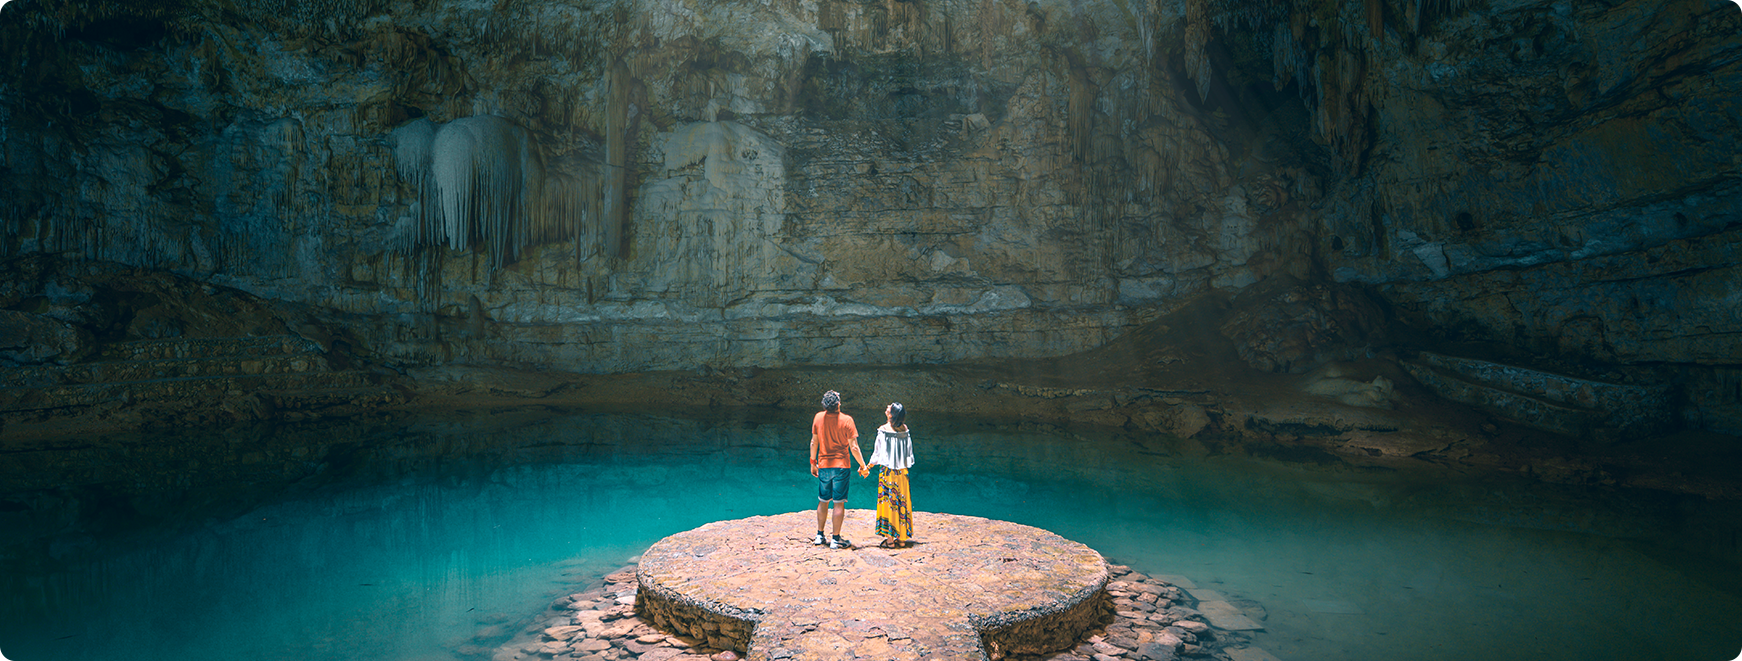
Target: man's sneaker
[
  {"x": 819, "y": 540},
  {"x": 840, "y": 543}
]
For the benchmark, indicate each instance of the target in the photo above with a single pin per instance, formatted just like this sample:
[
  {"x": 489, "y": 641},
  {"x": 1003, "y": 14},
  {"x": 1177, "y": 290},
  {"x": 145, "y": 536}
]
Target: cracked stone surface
[{"x": 967, "y": 584}]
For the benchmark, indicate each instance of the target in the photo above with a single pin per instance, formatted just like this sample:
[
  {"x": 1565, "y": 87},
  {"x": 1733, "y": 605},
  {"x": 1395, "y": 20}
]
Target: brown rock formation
[{"x": 631, "y": 187}]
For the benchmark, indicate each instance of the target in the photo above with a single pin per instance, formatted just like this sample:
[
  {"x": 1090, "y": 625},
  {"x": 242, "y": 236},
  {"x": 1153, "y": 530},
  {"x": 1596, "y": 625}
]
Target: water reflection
[{"x": 434, "y": 537}]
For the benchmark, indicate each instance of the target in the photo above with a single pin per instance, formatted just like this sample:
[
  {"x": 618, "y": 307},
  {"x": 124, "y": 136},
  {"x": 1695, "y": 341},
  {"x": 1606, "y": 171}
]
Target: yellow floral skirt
[{"x": 894, "y": 510}]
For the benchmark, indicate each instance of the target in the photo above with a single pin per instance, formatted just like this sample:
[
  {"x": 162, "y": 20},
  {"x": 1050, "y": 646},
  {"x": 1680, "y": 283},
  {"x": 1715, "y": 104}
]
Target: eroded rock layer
[
  {"x": 636, "y": 185},
  {"x": 631, "y": 186}
]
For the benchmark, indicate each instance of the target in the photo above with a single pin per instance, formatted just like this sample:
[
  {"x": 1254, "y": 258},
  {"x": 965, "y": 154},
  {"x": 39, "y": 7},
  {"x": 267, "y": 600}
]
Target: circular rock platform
[{"x": 969, "y": 588}]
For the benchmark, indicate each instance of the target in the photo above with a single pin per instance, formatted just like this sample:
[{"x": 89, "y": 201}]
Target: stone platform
[{"x": 969, "y": 589}]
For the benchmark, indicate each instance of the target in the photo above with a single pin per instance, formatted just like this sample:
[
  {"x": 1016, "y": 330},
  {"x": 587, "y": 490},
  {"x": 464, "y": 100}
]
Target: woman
[{"x": 893, "y": 454}]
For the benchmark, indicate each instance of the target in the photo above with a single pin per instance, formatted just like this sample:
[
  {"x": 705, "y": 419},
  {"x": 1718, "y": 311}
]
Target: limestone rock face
[
  {"x": 1300, "y": 328},
  {"x": 1560, "y": 178},
  {"x": 731, "y": 184},
  {"x": 105, "y": 302},
  {"x": 747, "y": 183}
]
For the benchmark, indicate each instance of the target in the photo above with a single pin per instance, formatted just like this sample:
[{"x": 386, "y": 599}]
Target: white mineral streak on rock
[
  {"x": 534, "y": 312},
  {"x": 1234, "y": 241},
  {"x": 1234, "y": 280},
  {"x": 997, "y": 299},
  {"x": 1136, "y": 290},
  {"x": 1433, "y": 256},
  {"x": 942, "y": 262}
]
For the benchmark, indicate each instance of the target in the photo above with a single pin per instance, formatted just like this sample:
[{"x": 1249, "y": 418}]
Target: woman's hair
[
  {"x": 897, "y": 416},
  {"x": 832, "y": 400}
]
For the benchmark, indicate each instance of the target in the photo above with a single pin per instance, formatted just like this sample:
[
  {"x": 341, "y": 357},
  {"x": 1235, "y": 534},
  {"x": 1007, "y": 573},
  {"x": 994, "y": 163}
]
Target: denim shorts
[{"x": 832, "y": 484}]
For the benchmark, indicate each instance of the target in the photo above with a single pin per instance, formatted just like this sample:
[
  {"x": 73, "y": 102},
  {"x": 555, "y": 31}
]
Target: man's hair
[{"x": 832, "y": 400}]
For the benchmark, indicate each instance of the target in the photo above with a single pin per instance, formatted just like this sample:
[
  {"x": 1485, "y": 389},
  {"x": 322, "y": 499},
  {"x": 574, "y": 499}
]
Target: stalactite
[
  {"x": 1423, "y": 11},
  {"x": 1321, "y": 46},
  {"x": 1374, "y": 11},
  {"x": 411, "y": 154},
  {"x": 1080, "y": 114},
  {"x": 482, "y": 186},
  {"x": 1288, "y": 59},
  {"x": 577, "y": 33},
  {"x": 620, "y": 123},
  {"x": 996, "y": 22},
  {"x": 1197, "y": 38}
]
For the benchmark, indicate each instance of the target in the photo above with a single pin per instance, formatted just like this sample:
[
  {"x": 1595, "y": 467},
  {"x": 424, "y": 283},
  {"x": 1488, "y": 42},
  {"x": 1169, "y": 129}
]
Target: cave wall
[
  {"x": 1561, "y": 179},
  {"x": 759, "y": 183},
  {"x": 790, "y": 183}
]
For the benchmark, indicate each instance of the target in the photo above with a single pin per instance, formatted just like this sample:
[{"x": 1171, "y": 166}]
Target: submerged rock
[{"x": 34, "y": 339}]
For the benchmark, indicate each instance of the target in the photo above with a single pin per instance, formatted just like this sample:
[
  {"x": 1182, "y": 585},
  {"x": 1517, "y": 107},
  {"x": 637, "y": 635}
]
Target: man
[{"x": 832, "y": 435}]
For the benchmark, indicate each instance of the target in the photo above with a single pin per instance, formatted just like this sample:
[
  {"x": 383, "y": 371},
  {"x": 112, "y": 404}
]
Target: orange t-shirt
[{"x": 833, "y": 432}]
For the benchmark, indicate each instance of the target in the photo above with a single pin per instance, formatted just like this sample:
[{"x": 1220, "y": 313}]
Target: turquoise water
[{"x": 429, "y": 539}]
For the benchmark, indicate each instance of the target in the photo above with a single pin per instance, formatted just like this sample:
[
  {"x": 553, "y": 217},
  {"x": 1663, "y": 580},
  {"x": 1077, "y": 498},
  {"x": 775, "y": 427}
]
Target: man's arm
[
  {"x": 855, "y": 445},
  {"x": 814, "y": 454}
]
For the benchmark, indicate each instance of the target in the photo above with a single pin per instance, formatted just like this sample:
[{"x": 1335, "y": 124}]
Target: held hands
[{"x": 865, "y": 470}]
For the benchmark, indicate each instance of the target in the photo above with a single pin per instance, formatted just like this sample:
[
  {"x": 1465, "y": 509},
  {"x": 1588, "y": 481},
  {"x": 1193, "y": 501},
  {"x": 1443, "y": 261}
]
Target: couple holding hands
[{"x": 833, "y": 436}]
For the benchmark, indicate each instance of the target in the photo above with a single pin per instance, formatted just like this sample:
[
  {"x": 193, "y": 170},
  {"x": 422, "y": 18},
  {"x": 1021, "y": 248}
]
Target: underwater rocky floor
[{"x": 1147, "y": 619}]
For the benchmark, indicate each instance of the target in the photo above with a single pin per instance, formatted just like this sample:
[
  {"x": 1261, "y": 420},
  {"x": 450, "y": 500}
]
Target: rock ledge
[{"x": 969, "y": 588}]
